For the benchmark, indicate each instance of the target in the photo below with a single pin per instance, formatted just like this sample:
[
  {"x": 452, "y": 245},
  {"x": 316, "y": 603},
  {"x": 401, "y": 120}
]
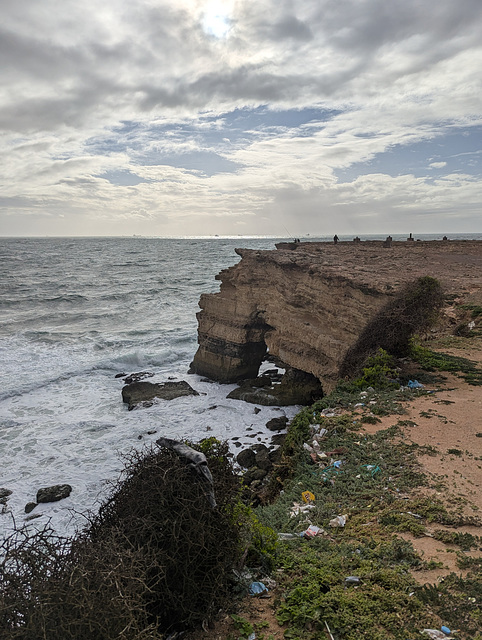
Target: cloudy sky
[{"x": 269, "y": 117}]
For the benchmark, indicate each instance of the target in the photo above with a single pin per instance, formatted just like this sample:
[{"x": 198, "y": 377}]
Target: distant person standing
[{"x": 335, "y": 239}]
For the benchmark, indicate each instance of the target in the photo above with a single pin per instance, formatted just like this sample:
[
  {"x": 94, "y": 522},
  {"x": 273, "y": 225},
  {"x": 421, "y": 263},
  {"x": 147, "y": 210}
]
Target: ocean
[{"x": 74, "y": 313}]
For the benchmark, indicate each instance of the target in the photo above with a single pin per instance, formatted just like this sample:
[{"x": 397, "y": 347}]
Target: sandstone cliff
[{"x": 307, "y": 303}]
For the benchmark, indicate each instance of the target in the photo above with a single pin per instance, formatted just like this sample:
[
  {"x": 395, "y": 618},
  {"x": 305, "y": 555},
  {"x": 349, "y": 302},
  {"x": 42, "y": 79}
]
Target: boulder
[
  {"x": 144, "y": 393},
  {"x": 54, "y": 494},
  {"x": 30, "y": 506},
  {"x": 4, "y": 495},
  {"x": 137, "y": 377},
  {"x": 296, "y": 387},
  {"x": 246, "y": 458},
  {"x": 277, "y": 424}
]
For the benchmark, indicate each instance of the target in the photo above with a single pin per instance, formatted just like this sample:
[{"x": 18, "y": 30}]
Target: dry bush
[
  {"x": 156, "y": 557},
  {"x": 414, "y": 309}
]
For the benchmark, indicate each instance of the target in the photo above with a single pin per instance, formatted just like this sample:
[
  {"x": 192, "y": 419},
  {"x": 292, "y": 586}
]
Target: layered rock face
[{"x": 307, "y": 303}]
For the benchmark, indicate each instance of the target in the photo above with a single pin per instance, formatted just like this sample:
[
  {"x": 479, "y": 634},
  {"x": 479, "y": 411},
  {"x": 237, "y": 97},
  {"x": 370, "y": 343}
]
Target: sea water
[{"x": 74, "y": 313}]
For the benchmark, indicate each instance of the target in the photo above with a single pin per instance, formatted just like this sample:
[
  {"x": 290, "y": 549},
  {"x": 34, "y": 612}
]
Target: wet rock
[
  {"x": 4, "y": 495},
  {"x": 278, "y": 439},
  {"x": 246, "y": 458},
  {"x": 54, "y": 493},
  {"x": 277, "y": 424},
  {"x": 144, "y": 393},
  {"x": 275, "y": 455},
  {"x": 30, "y": 506},
  {"x": 296, "y": 387},
  {"x": 262, "y": 460},
  {"x": 257, "y": 410},
  {"x": 137, "y": 377}
]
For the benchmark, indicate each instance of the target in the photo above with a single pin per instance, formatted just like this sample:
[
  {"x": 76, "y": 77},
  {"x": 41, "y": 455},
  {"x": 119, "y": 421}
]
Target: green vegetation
[{"x": 433, "y": 361}]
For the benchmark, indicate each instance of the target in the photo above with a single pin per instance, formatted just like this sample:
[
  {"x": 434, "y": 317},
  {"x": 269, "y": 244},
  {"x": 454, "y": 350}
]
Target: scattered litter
[
  {"x": 471, "y": 324},
  {"x": 415, "y": 515},
  {"x": 359, "y": 404},
  {"x": 322, "y": 433},
  {"x": 307, "y": 447},
  {"x": 308, "y": 497},
  {"x": 287, "y": 536},
  {"x": 414, "y": 384},
  {"x": 339, "y": 521},
  {"x": 312, "y": 531},
  {"x": 257, "y": 589},
  {"x": 372, "y": 468},
  {"x": 435, "y": 634},
  {"x": 337, "y": 464},
  {"x": 252, "y": 636},
  {"x": 446, "y": 630},
  {"x": 329, "y": 632},
  {"x": 298, "y": 509},
  {"x": 352, "y": 580}
]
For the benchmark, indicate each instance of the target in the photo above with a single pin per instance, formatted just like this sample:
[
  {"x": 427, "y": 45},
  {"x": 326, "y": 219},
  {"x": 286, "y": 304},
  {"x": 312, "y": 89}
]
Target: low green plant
[{"x": 434, "y": 361}]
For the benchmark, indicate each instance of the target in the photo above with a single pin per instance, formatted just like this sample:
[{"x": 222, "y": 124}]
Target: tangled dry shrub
[
  {"x": 414, "y": 309},
  {"x": 155, "y": 558}
]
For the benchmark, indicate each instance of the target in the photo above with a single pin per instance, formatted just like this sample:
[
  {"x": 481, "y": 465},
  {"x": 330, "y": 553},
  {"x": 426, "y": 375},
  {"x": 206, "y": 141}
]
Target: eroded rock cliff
[{"x": 307, "y": 303}]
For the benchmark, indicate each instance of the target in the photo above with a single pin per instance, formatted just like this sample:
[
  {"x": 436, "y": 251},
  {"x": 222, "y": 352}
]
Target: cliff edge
[{"x": 306, "y": 303}]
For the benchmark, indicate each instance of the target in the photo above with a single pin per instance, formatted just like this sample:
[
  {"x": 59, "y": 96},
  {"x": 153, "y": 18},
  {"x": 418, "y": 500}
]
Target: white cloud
[{"x": 128, "y": 87}]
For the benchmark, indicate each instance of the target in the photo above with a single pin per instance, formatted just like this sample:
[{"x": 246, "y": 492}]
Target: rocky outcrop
[
  {"x": 54, "y": 494},
  {"x": 307, "y": 303},
  {"x": 144, "y": 393}
]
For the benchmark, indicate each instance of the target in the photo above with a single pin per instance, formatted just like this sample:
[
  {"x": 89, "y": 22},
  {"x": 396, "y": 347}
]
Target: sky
[{"x": 240, "y": 117}]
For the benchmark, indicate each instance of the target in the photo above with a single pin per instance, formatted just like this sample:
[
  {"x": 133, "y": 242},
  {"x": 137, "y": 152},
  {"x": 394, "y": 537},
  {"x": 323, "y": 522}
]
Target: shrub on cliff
[
  {"x": 156, "y": 557},
  {"x": 413, "y": 310}
]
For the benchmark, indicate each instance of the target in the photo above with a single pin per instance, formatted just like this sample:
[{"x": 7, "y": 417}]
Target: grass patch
[{"x": 433, "y": 361}]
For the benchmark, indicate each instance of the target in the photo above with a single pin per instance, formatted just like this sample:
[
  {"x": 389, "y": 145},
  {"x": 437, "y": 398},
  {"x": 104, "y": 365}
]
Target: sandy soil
[{"x": 450, "y": 421}]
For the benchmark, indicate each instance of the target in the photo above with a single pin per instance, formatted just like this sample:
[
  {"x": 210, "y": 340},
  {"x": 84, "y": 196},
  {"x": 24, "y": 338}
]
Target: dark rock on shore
[
  {"x": 137, "y": 377},
  {"x": 4, "y": 495},
  {"x": 296, "y": 387},
  {"x": 277, "y": 424},
  {"x": 30, "y": 506},
  {"x": 144, "y": 393},
  {"x": 54, "y": 494},
  {"x": 246, "y": 458}
]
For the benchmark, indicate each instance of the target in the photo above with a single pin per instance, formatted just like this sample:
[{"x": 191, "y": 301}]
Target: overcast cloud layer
[{"x": 193, "y": 117}]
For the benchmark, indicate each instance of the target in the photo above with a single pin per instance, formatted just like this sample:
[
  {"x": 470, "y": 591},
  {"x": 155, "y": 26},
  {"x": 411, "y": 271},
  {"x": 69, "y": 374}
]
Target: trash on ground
[
  {"x": 298, "y": 509},
  {"x": 252, "y": 636},
  {"x": 329, "y": 631},
  {"x": 414, "y": 384},
  {"x": 287, "y": 536},
  {"x": 257, "y": 589},
  {"x": 312, "y": 531},
  {"x": 339, "y": 521},
  {"x": 445, "y": 629},
  {"x": 352, "y": 580},
  {"x": 308, "y": 497},
  {"x": 372, "y": 468},
  {"x": 435, "y": 634}
]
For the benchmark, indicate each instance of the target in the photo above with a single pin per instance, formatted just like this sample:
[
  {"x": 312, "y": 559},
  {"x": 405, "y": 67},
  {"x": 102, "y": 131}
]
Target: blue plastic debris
[
  {"x": 414, "y": 384},
  {"x": 446, "y": 630},
  {"x": 257, "y": 588}
]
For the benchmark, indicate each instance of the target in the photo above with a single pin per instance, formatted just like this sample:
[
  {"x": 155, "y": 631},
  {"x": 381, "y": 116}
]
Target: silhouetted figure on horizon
[{"x": 335, "y": 239}]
